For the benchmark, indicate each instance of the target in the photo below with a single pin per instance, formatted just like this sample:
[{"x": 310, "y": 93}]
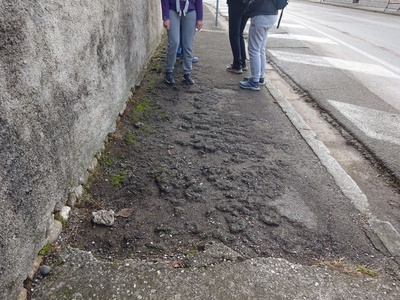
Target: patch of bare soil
[{"x": 186, "y": 167}]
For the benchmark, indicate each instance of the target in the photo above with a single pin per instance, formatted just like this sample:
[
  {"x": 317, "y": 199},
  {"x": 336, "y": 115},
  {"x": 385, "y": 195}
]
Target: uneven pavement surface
[{"x": 217, "y": 196}]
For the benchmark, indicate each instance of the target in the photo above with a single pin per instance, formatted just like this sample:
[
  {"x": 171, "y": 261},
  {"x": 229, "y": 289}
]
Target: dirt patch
[{"x": 189, "y": 165}]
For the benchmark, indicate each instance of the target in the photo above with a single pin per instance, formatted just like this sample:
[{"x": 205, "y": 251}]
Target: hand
[
  {"x": 166, "y": 24},
  {"x": 199, "y": 25}
]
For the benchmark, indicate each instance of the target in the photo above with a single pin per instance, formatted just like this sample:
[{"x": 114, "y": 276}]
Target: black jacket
[{"x": 260, "y": 7}]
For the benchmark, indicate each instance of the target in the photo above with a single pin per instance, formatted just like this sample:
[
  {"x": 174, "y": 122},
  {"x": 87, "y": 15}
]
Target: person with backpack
[
  {"x": 181, "y": 18},
  {"x": 237, "y": 22},
  {"x": 263, "y": 14}
]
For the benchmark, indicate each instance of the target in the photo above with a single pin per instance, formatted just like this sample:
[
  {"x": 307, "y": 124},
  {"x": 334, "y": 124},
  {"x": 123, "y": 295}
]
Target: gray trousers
[
  {"x": 258, "y": 33},
  {"x": 181, "y": 31}
]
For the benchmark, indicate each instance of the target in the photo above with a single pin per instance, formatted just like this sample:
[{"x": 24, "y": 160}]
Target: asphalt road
[{"x": 347, "y": 61}]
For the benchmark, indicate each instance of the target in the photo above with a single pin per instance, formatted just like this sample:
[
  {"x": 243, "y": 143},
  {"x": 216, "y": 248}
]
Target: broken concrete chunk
[
  {"x": 64, "y": 212},
  {"x": 103, "y": 217}
]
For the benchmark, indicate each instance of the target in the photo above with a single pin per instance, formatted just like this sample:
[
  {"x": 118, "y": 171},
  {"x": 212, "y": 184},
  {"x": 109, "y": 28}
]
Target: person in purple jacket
[{"x": 181, "y": 17}]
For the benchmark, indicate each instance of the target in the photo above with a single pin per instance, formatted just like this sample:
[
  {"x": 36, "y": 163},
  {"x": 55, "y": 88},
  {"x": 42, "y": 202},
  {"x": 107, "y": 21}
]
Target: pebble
[{"x": 44, "y": 270}]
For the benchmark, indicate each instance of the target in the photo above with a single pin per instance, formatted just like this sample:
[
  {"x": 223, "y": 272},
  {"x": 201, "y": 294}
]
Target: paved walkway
[{"x": 220, "y": 272}]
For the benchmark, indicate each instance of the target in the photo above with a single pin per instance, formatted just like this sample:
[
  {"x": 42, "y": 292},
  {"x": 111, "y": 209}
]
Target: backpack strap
[
  {"x": 280, "y": 18},
  {"x": 185, "y": 9}
]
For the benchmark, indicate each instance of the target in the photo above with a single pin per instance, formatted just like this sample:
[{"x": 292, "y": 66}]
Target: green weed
[
  {"x": 365, "y": 270},
  {"x": 106, "y": 160},
  {"x": 116, "y": 180},
  {"x": 46, "y": 249},
  {"x": 342, "y": 266},
  {"x": 193, "y": 252},
  {"x": 130, "y": 139},
  {"x": 61, "y": 220}
]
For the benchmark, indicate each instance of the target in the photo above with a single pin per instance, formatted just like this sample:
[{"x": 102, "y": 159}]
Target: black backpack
[{"x": 280, "y": 4}]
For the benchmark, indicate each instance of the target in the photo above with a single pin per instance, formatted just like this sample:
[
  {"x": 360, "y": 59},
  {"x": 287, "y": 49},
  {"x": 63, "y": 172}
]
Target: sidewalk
[{"x": 254, "y": 154}]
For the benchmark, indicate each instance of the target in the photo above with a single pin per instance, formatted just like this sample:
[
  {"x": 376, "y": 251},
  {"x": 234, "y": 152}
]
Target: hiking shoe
[
  {"x": 195, "y": 59},
  {"x": 169, "y": 78},
  {"x": 245, "y": 68},
  {"x": 250, "y": 85},
  {"x": 232, "y": 69},
  {"x": 261, "y": 81},
  {"x": 188, "y": 79}
]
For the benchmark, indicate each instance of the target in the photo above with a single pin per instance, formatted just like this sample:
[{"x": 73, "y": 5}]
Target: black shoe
[
  {"x": 169, "y": 78},
  {"x": 188, "y": 79}
]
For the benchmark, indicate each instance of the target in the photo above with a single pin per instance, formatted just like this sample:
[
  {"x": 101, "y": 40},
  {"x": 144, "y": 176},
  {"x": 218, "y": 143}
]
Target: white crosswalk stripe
[
  {"x": 306, "y": 38},
  {"x": 291, "y": 25},
  {"x": 331, "y": 62},
  {"x": 374, "y": 123}
]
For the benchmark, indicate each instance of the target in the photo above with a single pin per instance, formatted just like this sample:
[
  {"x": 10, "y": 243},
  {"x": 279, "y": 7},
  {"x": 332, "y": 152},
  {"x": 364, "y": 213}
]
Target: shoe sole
[
  {"x": 235, "y": 71},
  {"x": 260, "y": 83},
  {"x": 250, "y": 88}
]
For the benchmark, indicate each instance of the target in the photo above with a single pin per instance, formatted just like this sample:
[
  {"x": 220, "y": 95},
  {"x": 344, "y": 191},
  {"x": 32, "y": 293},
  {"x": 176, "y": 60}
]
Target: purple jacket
[{"x": 168, "y": 5}]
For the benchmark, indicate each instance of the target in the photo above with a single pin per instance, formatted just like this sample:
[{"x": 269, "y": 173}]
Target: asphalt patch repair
[{"x": 190, "y": 165}]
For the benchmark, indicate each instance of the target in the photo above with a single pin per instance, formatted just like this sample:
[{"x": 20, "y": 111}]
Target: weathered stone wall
[{"x": 66, "y": 71}]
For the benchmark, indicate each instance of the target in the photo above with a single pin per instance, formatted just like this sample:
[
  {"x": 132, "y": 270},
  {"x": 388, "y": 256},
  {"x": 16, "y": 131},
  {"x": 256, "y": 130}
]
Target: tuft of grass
[
  {"x": 106, "y": 160},
  {"x": 60, "y": 219},
  {"x": 193, "y": 252},
  {"x": 46, "y": 249},
  {"x": 366, "y": 271},
  {"x": 130, "y": 138},
  {"x": 116, "y": 180},
  {"x": 342, "y": 266},
  {"x": 142, "y": 110}
]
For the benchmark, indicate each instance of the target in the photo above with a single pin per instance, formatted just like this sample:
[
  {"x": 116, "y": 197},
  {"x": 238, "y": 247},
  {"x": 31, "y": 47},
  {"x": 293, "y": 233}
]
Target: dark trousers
[{"x": 237, "y": 23}]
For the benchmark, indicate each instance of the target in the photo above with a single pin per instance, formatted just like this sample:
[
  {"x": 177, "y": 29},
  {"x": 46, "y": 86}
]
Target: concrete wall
[{"x": 66, "y": 71}]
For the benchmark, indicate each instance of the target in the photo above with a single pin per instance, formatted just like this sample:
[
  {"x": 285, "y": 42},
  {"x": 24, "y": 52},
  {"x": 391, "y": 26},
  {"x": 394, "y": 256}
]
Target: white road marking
[
  {"x": 376, "y": 124},
  {"x": 330, "y": 62},
  {"x": 378, "y": 60},
  {"x": 288, "y": 25},
  {"x": 306, "y": 38}
]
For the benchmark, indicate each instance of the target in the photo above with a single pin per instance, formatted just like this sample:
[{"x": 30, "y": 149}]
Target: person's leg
[
  {"x": 173, "y": 40},
  {"x": 243, "y": 55},
  {"x": 257, "y": 33},
  {"x": 188, "y": 30},
  {"x": 269, "y": 22},
  {"x": 235, "y": 12}
]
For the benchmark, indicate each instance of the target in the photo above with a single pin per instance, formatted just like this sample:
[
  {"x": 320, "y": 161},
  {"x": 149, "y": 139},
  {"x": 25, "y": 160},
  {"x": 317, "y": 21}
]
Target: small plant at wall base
[
  {"x": 59, "y": 218},
  {"x": 130, "y": 138},
  {"x": 116, "y": 180},
  {"x": 45, "y": 250},
  {"x": 106, "y": 160},
  {"x": 142, "y": 110}
]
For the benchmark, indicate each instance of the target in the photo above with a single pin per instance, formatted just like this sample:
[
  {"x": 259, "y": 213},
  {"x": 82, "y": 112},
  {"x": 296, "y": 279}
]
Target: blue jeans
[
  {"x": 257, "y": 43},
  {"x": 182, "y": 29},
  {"x": 237, "y": 23}
]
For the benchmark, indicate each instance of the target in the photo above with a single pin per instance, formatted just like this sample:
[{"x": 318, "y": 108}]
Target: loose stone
[{"x": 103, "y": 217}]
